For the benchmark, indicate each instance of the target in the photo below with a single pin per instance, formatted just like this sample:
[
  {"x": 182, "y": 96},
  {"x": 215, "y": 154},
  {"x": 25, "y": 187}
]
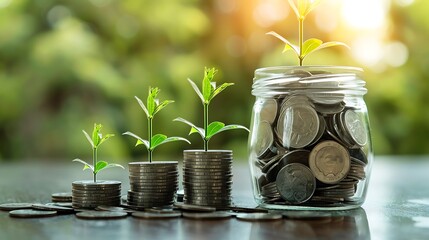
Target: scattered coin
[
  {"x": 29, "y": 213},
  {"x": 154, "y": 215},
  {"x": 100, "y": 215},
  {"x": 194, "y": 208},
  {"x": 62, "y": 197},
  {"x": 51, "y": 207},
  {"x": 258, "y": 217},
  {"x": 207, "y": 216},
  {"x": 114, "y": 209},
  {"x": 15, "y": 206}
]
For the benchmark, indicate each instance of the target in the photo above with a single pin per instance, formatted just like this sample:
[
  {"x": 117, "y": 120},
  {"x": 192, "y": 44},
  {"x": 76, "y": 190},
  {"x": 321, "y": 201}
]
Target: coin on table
[
  {"x": 259, "y": 216},
  {"x": 100, "y": 215},
  {"x": 29, "y": 213},
  {"x": 154, "y": 215},
  {"x": 296, "y": 183},
  {"x": 51, "y": 207},
  {"x": 330, "y": 162},
  {"x": 195, "y": 208},
  {"x": 207, "y": 216},
  {"x": 15, "y": 206},
  {"x": 114, "y": 209},
  {"x": 62, "y": 197},
  {"x": 355, "y": 127}
]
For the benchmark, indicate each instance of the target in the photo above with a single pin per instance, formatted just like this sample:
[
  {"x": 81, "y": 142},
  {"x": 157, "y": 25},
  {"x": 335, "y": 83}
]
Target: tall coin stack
[
  {"x": 90, "y": 194},
  {"x": 153, "y": 184},
  {"x": 207, "y": 178}
]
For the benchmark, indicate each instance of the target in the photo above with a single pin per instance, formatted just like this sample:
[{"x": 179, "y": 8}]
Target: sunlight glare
[
  {"x": 269, "y": 12},
  {"x": 365, "y": 14}
]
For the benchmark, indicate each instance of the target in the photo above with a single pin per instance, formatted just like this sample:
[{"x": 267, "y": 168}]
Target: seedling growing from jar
[
  {"x": 152, "y": 107},
  {"x": 208, "y": 93},
  {"x": 302, "y": 8},
  {"x": 96, "y": 140}
]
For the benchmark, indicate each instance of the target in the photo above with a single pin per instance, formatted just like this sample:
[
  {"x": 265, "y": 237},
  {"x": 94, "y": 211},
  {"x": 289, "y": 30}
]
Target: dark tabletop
[{"x": 397, "y": 207}]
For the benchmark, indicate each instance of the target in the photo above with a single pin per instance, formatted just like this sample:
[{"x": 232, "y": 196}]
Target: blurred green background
[{"x": 65, "y": 64}]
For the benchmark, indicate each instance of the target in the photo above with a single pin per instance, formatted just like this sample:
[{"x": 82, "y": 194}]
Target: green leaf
[
  {"x": 289, "y": 45},
  {"x": 220, "y": 89},
  {"x": 216, "y": 129},
  {"x": 88, "y": 138},
  {"x": 99, "y": 166},
  {"x": 113, "y": 165},
  {"x": 157, "y": 140},
  {"x": 310, "y": 45},
  {"x": 139, "y": 139},
  {"x": 213, "y": 128},
  {"x": 194, "y": 129},
  {"x": 142, "y": 106},
  {"x": 86, "y": 165},
  {"x": 105, "y": 138},
  {"x": 167, "y": 140},
  {"x": 196, "y": 89},
  {"x": 326, "y": 45},
  {"x": 162, "y": 105},
  {"x": 95, "y": 135},
  {"x": 303, "y": 7},
  {"x": 153, "y": 92},
  {"x": 207, "y": 86}
]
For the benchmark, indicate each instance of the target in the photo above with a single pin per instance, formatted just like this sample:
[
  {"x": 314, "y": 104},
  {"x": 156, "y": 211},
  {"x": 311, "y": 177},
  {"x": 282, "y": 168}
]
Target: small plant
[
  {"x": 96, "y": 140},
  {"x": 209, "y": 91},
  {"x": 153, "y": 107},
  {"x": 301, "y": 9}
]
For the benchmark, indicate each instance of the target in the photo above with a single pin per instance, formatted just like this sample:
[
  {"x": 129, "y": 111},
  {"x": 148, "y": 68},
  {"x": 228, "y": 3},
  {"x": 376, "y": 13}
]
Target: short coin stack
[
  {"x": 207, "y": 178},
  {"x": 153, "y": 184},
  {"x": 90, "y": 194}
]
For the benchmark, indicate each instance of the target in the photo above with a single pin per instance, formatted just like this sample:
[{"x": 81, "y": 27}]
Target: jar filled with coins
[{"x": 310, "y": 144}]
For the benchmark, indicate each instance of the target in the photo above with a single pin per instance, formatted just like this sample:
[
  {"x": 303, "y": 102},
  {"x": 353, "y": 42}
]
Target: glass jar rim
[{"x": 274, "y": 70}]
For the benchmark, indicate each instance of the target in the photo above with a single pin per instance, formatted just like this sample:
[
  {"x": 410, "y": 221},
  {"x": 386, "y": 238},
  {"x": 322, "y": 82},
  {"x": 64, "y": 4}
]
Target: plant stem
[
  {"x": 206, "y": 123},
  {"x": 94, "y": 162},
  {"x": 301, "y": 39},
  {"x": 150, "y": 119}
]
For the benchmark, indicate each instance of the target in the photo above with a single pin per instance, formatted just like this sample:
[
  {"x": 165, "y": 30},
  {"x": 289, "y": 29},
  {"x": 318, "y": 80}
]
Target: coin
[
  {"x": 29, "y": 213},
  {"x": 298, "y": 126},
  {"x": 62, "y": 197},
  {"x": 15, "y": 206},
  {"x": 355, "y": 127},
  {"x": 153, "y": 215},
  {"x": 194, "y": 208},
  {"x": 296, "y": 183},
  {"x": 95, "y": 215},
  {"x": 113, "y": 209},
  {"x": 264, "y": 144},
  {"x": 258, "y": 216},
  {"x": 207, "y": 216},
  {"x": 49, "y": 207},
  {"x": 330, "y": 162}
]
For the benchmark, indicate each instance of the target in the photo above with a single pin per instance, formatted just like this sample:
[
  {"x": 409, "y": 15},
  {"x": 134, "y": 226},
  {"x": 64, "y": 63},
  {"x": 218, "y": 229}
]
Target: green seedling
[
  {"x": 96, "y": 140},
  {"x": 302, "y": 8},
  {"x": 209, "y": 91},
  {"x": 152, "y": 107}
]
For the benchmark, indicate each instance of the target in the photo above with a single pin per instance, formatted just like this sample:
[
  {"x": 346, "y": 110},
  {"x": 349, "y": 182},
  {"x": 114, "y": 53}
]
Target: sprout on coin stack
[
  {"x": 310, "y": 145},
  {"x": 153, "y": 184},
  {"x": 207, "y": 174},
  {"x": 90, "y": 194}
]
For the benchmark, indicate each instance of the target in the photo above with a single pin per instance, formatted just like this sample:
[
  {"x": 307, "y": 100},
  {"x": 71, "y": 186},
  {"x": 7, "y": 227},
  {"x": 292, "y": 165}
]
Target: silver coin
[
  {"x": 194, "y": 208},
  {"x": 15, "y": 206},
  {"x": 98, "y": 184},
  {"x": 207, "y": 216},
  {"x": 49, "y": 207},
  {"x": 95, "y": 215},
  {"x": 63, "y": 204},
  {"x": 259, "y": 216},
  {"x": 61, "y": 197},
  {"x": 28, "y": 213},
  {"x": 153, "y": 215},
  {"x": 298, "y": 126},
  {"x": 330, "y": 162},
  {"x": 114, "y": 209},
  {"x": 355, "y": 127},
  {"x": 296, "y": 183},
  {"x": 268, "y": 110},
  {"x": 264, "y": 140}
]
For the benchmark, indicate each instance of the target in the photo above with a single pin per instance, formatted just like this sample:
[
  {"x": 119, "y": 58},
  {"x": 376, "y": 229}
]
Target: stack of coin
[
  {"x": 207, "y": 178},
  {"x": 89, "y": 194},
  {"x": 310, "y": 148},
  {"x": 152, "y": 184}
]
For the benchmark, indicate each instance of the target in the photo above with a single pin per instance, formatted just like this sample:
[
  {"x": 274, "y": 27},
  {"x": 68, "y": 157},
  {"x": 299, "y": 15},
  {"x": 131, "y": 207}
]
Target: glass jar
[{"x": 310, "y": 143}]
